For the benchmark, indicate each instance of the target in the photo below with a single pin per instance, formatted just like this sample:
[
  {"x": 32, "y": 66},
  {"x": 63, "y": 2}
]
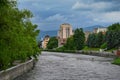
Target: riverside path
[{"x": 64, "y": 66}]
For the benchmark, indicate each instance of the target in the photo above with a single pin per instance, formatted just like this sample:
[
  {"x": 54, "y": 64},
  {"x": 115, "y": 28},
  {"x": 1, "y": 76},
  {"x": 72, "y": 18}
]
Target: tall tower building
[{"x": 64, "y": 33}]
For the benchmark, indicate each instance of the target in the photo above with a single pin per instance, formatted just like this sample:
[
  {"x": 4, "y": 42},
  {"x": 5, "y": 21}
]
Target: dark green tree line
[
  {"x": 111, "y": 39},
  {"x": 113, "y": 36},
  {"x": 95, "y": 40}
]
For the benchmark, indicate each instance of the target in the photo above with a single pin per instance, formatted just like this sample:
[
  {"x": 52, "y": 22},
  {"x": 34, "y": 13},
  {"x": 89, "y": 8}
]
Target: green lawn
[{"x": 91, "y": 49}]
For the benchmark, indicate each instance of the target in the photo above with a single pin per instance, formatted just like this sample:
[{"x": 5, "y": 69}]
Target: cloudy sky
[{"x": 49, "y": 14}]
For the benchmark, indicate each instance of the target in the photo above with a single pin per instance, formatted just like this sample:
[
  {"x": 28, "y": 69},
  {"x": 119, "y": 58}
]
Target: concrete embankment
[
  {"x": 16, "y": 71},
  {"x": 93, "y": 53},
  {"x": 97, "y": 53}
]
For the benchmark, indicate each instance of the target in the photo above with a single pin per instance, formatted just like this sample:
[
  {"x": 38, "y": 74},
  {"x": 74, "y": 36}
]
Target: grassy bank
[
  {"x": 64, "y": 51},
  {"x": 116, "y": 61},
  {"x": 91, "y": 49},
  {"x": 97, "y": 49}
]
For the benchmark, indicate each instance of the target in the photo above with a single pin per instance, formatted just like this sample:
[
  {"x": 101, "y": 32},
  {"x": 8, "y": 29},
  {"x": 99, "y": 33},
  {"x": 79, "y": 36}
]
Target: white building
[{"x": 100, "y": 29}]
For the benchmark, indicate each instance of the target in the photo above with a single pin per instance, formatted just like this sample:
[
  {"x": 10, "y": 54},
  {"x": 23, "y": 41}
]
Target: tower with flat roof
[{"x": 64, "y": 32}]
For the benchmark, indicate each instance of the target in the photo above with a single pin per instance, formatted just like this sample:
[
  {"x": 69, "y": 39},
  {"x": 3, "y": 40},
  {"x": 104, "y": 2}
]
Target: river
[{"x": 65, "y": 66}]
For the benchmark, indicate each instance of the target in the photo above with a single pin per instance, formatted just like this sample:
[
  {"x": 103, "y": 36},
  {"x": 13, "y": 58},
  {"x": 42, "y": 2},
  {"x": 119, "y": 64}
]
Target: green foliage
[
  {"x": 61, "y": 48},
  {"x": 75, "y": 42},
  {"x": 103, "y": 46},
  {"x": 113, "y": 36},
  {"x": 95, "y": 40},
  {"x": 92, "y": 40},
  {"x": 110, "y": 40},
  {"x": 17, "y": 34},
  {"x": 53, "y": 43},
  {"x": 113, "y": 39},
  {"x": 86, "y": 48},
  {"x": 114, "y": 27},
  {"x": 100, "y": 39},
  {"x": 70, "y": 44},
  {"x": 111, "y": 50},
  {"x": 116, "y": 61},
  {"x": 79, "y": 39}
]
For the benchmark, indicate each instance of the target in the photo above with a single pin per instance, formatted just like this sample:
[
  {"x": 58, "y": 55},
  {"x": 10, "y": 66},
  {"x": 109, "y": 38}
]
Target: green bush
[
  {"x": 61, "y": 48},
  {"x": 103, "y": 46},
  {"x": 116, "y": 61},
  {"x": 86, "y": 48}
]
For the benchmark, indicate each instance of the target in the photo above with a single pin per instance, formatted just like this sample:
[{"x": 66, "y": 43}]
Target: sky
[{"x": 50, "y": 14}]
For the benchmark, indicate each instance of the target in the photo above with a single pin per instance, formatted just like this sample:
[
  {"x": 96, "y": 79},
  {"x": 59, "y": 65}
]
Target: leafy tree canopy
[
  {"x": 53, "y": 43},
  {"x": 79, "y": 38},
  {"x": 114, "y": 27},
  {"x": 17, "y": 34},
  {"x": 70, "y": 44}
]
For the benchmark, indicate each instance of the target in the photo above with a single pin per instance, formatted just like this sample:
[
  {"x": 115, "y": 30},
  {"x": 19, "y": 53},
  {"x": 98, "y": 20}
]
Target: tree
[
  {"x": 53, "y": 43},
  {"x": 70, "y": 44},
  {"x": 113, "y": 36},
  {"x": 17, "y": 34},
  {"x": 100, "y": 39},
  {"x": 79, "y": 38},
  {"x": 114, "y": 27},
  {"x": 113, "y": 39},
  {"x": 95, "y": 40},
  {"x": 92, "y": 40}
]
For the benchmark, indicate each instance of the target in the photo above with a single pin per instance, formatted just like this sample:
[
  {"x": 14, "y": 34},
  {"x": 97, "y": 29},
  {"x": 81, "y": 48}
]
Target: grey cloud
[
  {"x": 115, "y": 5},
  {"x": 51, "y": 13}
]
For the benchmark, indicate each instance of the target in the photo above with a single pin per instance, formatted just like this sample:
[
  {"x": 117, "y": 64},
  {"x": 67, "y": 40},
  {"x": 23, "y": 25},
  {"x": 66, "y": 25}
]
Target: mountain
[
  {"x": 91, "y": 28},
  {"x": 42, "y": 34}
]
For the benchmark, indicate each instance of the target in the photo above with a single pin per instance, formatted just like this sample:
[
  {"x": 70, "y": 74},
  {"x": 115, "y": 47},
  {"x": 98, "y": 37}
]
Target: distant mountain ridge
[
  {"x": 54, "y": 32},
  {"x": 91, "y": 28},
  {"x": 43, "y": 33}
]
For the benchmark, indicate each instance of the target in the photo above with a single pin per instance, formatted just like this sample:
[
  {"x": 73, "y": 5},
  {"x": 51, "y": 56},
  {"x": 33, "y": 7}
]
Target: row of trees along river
[
  {"x": 17, "y": 34},
  {"x": 108, "y": 40}
]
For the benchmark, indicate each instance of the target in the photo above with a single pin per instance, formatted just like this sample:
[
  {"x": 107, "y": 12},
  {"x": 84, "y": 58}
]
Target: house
[{"x": 100, "y": 29}]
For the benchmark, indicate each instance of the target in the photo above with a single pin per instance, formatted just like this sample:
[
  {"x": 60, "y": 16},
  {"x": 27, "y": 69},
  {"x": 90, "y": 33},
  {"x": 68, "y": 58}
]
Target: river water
[{"x": 64, "y": 66}]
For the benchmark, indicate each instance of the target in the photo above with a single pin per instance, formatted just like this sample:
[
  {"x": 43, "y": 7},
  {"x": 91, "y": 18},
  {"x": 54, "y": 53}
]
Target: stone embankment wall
[
  {"x": 16, "y": 71},
  {"x": 98, "y": 53}
]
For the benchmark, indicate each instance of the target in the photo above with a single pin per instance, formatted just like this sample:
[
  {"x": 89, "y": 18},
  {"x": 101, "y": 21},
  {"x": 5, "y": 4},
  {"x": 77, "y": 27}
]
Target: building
[
  {"x": 87, "y": 33},
  {"x": 100, "y": 29},
  {"x": 64, "y": 33},
  {"x": 45, "y": 41}
]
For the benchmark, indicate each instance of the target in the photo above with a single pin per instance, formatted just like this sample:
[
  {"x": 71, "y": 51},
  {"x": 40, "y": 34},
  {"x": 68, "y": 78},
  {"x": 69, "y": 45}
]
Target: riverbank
[
  {"x": 116, "y": 61},
  {"x": 93, "y": 53},
  {"x": 15, "y": 71}
]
